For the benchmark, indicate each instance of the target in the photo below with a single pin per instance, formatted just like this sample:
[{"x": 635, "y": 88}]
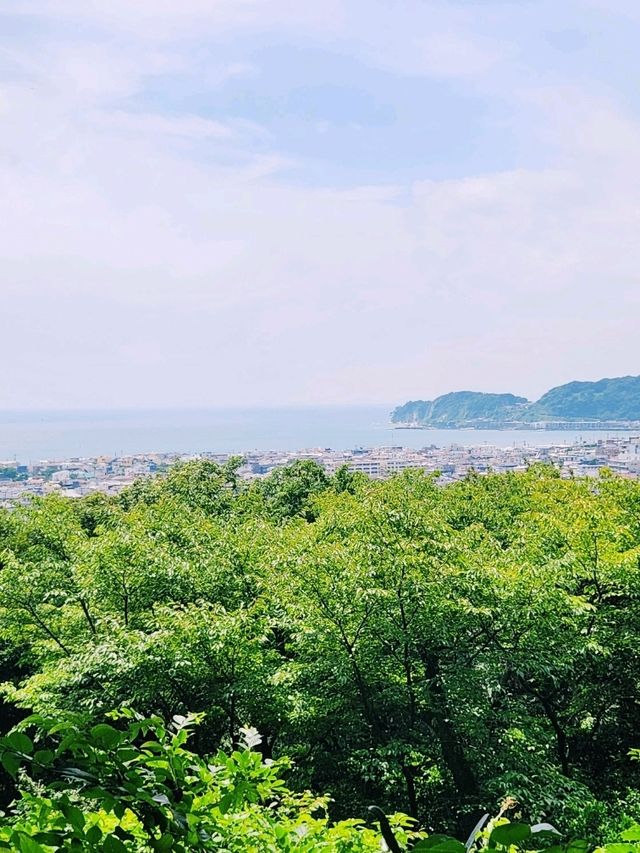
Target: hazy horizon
[
  {"x": 114, "y": 410},
  {"x": 267, "y": 407},
  {"x": 263, "y": 203}
]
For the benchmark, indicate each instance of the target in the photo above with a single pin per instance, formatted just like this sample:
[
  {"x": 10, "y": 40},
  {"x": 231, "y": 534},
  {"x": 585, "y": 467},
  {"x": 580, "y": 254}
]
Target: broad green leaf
[
  {"x": 11, "y": 764},
  {"x": 106, "y": 734},
  {"x": 445, "y": 845},
  {"x": 93, "y": 834},
  {"x": 20, "y": 742},
  {"x": 29, "y": 845},
  {"x": 509, "y": 833},
  {"x": 44, "y": 757},
  {"x": 164, "y": 843},
  {"x": 74, "y": 815},
  {"x": 112, "y": 844}
]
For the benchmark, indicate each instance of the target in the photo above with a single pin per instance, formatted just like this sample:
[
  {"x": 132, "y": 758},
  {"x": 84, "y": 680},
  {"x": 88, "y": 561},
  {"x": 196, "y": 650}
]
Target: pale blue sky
[{"x": 210, "y": 202}]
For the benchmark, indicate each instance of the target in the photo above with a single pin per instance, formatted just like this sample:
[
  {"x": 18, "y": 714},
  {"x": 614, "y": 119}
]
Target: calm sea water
[{"x": 29, "y": 436}]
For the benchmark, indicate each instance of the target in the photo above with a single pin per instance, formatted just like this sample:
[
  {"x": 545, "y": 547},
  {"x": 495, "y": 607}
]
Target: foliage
[
  {"x": 429, "y": 649},
  {"x": 133, "y": 784},
  {"x": 288, "y": 491}
]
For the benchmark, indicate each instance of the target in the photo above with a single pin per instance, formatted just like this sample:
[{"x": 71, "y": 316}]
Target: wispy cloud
[
  {"x": 161, "y": 238},
  {"x": 186, "y": 126}
]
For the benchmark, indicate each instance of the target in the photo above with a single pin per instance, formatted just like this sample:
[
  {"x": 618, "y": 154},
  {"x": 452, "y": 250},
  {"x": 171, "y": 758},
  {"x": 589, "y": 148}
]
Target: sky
[{"x": 265, "y": 202}]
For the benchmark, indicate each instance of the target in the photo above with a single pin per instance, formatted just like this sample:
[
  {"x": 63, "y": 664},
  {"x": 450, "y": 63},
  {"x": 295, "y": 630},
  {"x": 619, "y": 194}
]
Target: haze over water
[{"x": 29, "y": 436}]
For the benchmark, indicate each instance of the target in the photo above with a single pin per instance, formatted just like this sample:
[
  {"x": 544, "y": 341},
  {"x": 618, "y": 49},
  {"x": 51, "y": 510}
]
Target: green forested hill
[
  {"x": 460, "y": 407},
  {"x": 606, "y": 399},
  {"x": 428, "y": 649}
]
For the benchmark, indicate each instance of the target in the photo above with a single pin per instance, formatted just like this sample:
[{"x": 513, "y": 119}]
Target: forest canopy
[{"x": 431, "y": 650}]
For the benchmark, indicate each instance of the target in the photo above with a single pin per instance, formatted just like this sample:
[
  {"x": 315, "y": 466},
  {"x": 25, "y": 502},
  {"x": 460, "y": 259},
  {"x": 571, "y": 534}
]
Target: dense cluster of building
[{"x": 82, "y": 476}]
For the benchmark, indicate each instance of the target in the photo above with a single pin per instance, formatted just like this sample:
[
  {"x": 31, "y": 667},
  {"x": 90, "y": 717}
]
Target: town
[{"x": 76, "y": 477}]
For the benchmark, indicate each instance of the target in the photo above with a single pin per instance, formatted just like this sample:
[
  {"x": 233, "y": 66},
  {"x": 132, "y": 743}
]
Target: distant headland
[{"x": 605, "y": 404}]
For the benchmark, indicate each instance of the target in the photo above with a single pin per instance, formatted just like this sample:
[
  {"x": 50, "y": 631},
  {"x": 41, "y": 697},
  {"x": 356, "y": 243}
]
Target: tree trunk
[{"x": 450, "y": 743}]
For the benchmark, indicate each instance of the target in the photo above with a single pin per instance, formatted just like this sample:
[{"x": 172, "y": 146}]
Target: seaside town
[{"x": 76, "y": 477}]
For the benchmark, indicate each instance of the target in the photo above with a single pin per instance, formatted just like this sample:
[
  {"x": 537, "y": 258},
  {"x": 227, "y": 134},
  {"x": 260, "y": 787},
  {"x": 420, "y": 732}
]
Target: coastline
[{"x": 586, "y": 425}]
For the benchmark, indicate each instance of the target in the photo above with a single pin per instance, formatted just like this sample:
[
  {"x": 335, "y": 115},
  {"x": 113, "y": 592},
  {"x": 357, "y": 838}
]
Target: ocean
[{"x": 31, "y": 436}]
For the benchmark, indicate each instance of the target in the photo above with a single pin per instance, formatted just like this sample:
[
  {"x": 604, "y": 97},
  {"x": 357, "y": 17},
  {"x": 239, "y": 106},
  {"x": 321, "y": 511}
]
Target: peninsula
[{"x": 607, "y": 403}]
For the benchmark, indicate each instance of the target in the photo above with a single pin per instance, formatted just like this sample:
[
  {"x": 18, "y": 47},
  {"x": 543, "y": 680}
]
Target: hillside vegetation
[
  {"x": 604, "y": 400},
  {"x": 431, "y": 650},
  {"x": 460, "y": 407},
  {"x": 608, "y": 399}
]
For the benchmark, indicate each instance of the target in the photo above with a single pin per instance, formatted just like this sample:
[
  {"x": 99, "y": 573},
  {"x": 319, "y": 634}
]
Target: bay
[{"x": 31, "y": 436}]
